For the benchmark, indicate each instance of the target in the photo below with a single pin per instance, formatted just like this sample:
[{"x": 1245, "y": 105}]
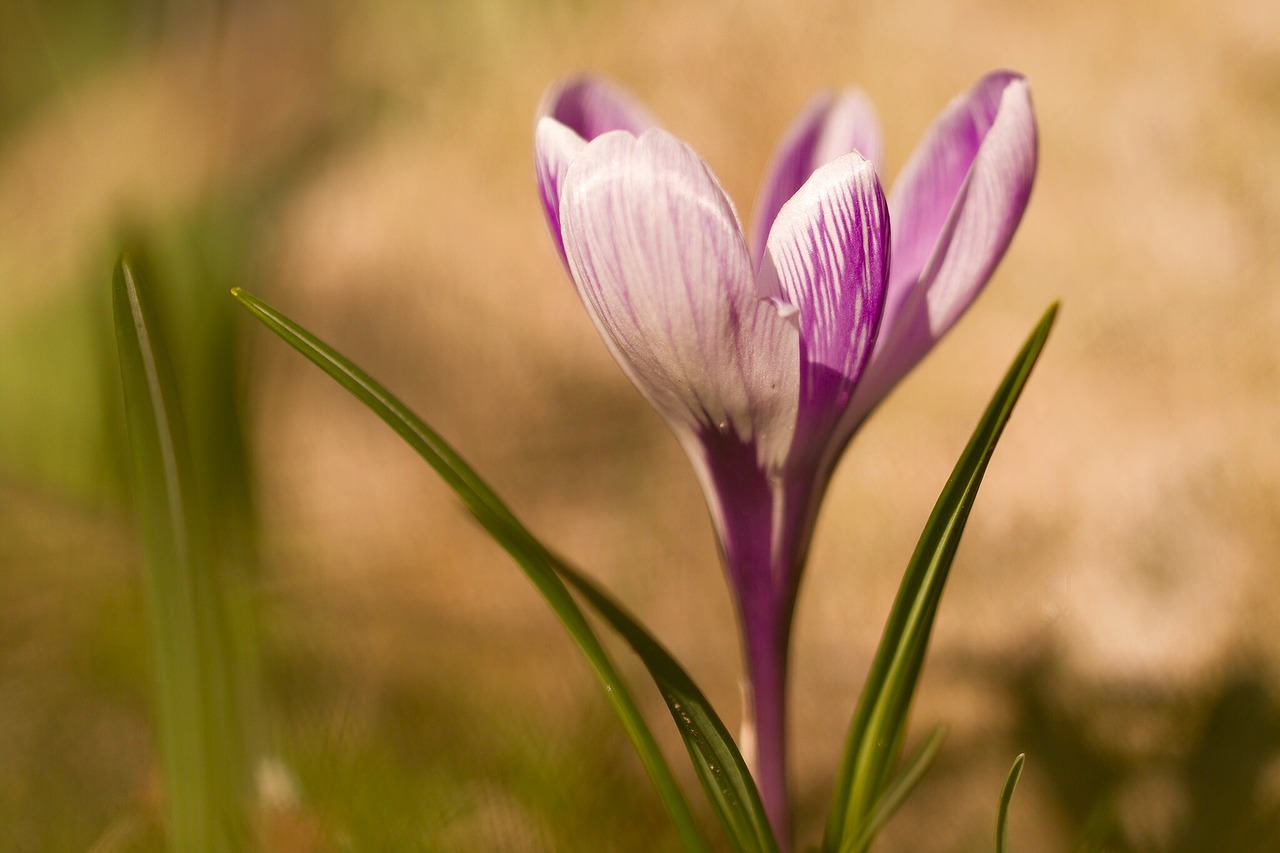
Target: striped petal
[
  {"x": 658, "y": 256},
  {"x": 955, "y": 210},
  {"x": 828, "y": 256},
  {"x": 986, "y": 214},
  {"x": 828, "y": 127},
  {"x": 975, "y": 166}
]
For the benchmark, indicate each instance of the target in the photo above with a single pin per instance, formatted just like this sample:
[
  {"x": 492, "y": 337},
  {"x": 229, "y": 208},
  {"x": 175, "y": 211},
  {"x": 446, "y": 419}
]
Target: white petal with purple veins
[
  {"x": 827, "y": 128},
  {"x": 828, "y": 255},
  {"x": 657, "y": 254}
]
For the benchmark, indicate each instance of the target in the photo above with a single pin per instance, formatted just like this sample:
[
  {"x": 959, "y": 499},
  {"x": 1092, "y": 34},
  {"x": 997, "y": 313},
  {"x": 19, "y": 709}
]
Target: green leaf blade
[
  {"x": 539, "y": 564},
  {"x": 879, "y": 722}
]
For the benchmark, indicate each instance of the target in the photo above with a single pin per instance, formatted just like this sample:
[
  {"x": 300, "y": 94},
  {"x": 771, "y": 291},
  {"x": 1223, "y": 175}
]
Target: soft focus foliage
[{"x": 1112, "y": 613}]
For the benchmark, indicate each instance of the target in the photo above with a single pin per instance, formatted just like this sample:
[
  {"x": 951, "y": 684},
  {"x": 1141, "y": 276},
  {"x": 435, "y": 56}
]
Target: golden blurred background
[{"x": 368, "y": 168}]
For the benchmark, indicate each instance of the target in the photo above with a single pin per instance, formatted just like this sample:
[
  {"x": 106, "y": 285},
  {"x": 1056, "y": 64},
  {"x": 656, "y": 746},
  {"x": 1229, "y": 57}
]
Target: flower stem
[
  {"x": 763, "y": 523},
  {"x": 765, "y": 722}
]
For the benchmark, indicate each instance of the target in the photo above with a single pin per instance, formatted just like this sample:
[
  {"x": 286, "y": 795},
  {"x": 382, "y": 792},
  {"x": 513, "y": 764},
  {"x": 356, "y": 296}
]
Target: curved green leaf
[
  {"x": 716, "y": 759},
  {"x": 1006, "y": 795},
  {"x": 879, "y": 723}
]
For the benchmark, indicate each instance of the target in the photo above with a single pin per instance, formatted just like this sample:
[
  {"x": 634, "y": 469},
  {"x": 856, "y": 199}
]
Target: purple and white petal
[
  {"x": 926, "y": 191},
  {"x": 657, "y": 254},
  {"x": 828, "y": 256},
  {"x": 987, "y": 213},
  {"x": 970, "y": 241},
  {"x": 590, "y": 106},
  {"x": 828, "y": 127},
  {"x": 554, "y": 148}
]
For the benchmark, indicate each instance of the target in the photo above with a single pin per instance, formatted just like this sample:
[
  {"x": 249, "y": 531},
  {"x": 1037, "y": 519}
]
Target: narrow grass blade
[
  {"x": 879, "y": 723},
  {"x": 538, "y": 563},
  {"x": 1006, "y": 795},
  {"x": 896, "y": 793},
  {"x": 201, "y": 751}
]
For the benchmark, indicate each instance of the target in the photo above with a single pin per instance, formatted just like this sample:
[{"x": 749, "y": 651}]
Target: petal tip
[{"x": 591, "y": 105}]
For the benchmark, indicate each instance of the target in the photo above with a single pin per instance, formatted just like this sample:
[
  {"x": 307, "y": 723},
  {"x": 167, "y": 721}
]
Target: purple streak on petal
[
  {"x": 829, "y": 127},
  {"x": 591, "y": 106},
  {"x": 980, "y": 224},
  {"x": 554, "y": 147},
  {"x": 828, "y": 255},
  {"x": 657, "y": 254}
]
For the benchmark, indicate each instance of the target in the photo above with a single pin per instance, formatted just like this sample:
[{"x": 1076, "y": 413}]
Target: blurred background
[{"x": 367, "y": 167}]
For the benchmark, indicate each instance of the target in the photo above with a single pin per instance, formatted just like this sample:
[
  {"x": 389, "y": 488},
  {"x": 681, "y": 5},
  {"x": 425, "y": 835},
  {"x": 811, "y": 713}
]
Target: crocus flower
[{"x": 765, "y": 359}]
